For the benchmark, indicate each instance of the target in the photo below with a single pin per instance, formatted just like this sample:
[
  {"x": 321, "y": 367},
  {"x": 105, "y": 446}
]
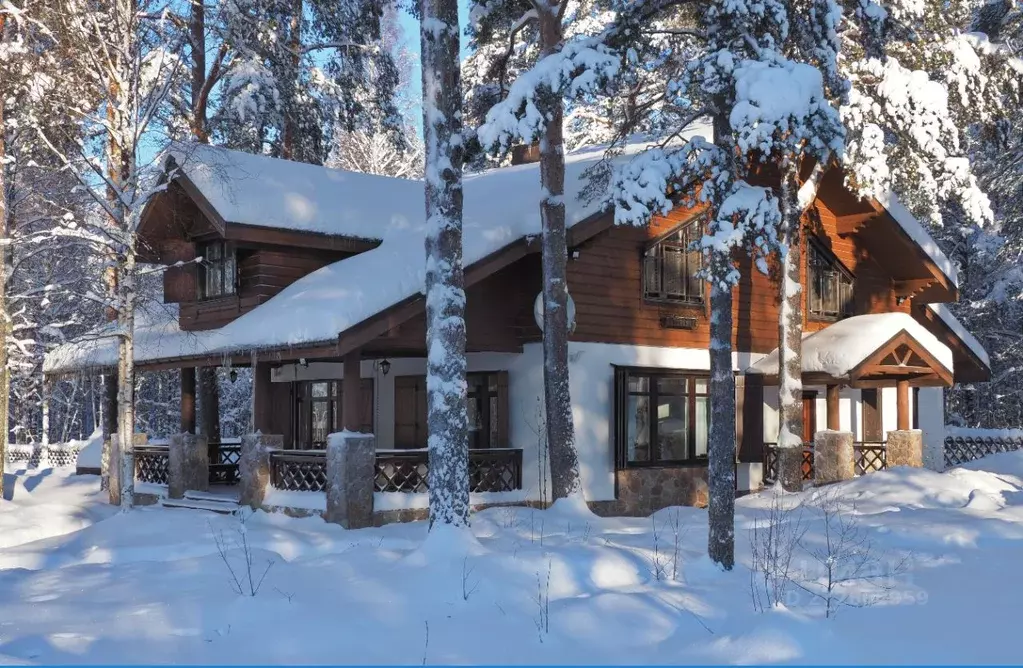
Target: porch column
[
  {"x": 209, "y": 404},
  {"x": 902, "y": 404},
  {"x": 832, "y": 398},
  {"x": 188, "y": 400},
  {"x": 262, "y": 404},
  {"x": 351, "y": 391}
]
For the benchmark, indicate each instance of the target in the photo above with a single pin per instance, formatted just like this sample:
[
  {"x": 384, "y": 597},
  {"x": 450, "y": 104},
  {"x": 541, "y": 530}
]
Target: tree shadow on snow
[{"x": 33, "y": 481}]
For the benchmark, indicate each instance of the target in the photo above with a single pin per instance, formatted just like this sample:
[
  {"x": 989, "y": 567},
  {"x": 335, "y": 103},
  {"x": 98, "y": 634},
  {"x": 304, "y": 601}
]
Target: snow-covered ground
[{"x": 83, "y": 583}]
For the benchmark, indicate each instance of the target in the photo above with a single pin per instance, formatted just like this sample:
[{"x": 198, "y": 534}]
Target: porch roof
[{"x": 869, "y": 349}]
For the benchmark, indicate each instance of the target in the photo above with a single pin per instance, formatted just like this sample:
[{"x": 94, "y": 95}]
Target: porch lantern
[
  {"x": 233, "y": 376},
  {"x": 385, "y": 367}
]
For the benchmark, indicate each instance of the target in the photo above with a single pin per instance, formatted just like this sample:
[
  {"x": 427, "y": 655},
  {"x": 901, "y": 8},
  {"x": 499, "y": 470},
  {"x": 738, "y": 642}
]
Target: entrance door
[
  {"x": 809, "y": 427},
  {"x": 809, "y": 415}
]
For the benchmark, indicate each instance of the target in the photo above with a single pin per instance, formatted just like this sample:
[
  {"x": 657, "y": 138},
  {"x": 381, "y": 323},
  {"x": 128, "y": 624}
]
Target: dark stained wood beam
[
  {"x": 351, "y": 392},
  {"x": 902, "y": 404},
  {"x": 851, "y": 224},
  {"x": 188, "y": 400},
  {"x": 911, "y": 287},
  {"x": 833, "y": 403}
]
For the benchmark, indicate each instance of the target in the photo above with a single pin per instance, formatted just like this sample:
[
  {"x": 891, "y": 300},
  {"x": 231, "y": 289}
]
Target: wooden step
[{"x": 224, "y": 507}]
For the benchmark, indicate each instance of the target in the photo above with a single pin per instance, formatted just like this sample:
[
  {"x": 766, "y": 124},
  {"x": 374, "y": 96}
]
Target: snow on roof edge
[
  {"x": 960, "y": 330},
  {"x": 916, "y": 231}
]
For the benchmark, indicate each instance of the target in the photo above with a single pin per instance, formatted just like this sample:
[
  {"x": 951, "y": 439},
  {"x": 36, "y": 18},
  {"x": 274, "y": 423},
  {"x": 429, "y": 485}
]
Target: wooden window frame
[
  {"x": 304, "y": 410},
  {"x": 489, "y": 421},
  {"x": 227, "y": 259},
  {"x": 654, "y": 255},
  {"x": 814, "y": 248},
  {"x": 621, "y": 429}
]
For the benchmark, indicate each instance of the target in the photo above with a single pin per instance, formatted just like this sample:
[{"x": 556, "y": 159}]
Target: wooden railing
[
  {"x": 868, "y": 456},
  {"x": 490, "y": 470},
  {"x": 962, "y": 449},
  {"x": 33, "y": 455},
  {"x": 152, "y": 463},
  {"x": 299, "y": 470}
]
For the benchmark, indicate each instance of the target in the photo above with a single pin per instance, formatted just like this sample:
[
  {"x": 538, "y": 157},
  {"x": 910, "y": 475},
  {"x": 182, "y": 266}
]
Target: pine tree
[{"x": 448, "y": 439}]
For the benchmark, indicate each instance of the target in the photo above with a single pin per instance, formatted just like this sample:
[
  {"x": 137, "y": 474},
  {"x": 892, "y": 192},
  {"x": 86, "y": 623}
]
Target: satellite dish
[{"x": 538, "y": 312}]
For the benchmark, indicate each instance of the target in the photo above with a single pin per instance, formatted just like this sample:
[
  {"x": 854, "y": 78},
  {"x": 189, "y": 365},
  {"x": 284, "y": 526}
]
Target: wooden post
[
  {"x": 351, "y": 391},
  {"x": 832, "y": 398},
  {"x": 902, "y": 404},
  {"x": 262, "y": 405},
  {"x": 209, "y": 402},
  {"x": 188, "y": 400}
]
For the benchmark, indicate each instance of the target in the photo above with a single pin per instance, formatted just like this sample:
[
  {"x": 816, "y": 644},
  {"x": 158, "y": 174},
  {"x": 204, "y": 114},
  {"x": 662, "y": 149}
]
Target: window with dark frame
[
  {"x": 483, "y": 408},
  {"x": 662, "y": 417},
  {"x": 671, "y": 266},
  {"x": 217, "y": 271},
  {"x": 830, "y": 296}
]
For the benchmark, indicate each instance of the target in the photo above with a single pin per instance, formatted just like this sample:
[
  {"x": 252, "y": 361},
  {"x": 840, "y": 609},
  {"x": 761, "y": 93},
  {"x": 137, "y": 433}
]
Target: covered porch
[{"x": 857, "y": 364}]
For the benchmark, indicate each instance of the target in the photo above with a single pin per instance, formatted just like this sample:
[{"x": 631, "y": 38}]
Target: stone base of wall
[{"x": 643, "y": 491}]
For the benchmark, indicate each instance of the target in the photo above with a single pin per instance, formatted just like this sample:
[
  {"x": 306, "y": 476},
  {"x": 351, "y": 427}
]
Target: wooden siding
[{"x": 606, "y": 283}]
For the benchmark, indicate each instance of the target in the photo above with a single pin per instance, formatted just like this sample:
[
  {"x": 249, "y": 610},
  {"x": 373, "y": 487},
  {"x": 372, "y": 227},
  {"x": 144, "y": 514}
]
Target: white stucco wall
[{"x": 592, "y": 380}]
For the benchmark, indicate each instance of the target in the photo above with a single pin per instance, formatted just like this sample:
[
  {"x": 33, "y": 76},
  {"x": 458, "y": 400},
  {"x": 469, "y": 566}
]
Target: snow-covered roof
[
  {"x": 501, "y": 206},
  {"x": 912, "y": 227},
  {"x": 960, "y": 330},
  {"x": 268, "y": 192},
  {"x": 841, "y": 347}
]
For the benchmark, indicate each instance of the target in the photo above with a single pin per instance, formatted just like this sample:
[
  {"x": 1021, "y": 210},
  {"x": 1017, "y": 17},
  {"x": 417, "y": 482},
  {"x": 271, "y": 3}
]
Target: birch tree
[
  {"x": 123, "y": 62},
  {"x": 447, "y": 420}
]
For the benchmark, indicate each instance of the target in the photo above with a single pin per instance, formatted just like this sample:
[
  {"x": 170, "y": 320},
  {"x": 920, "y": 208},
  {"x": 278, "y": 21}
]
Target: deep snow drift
[{"x": 82, "y": 583}]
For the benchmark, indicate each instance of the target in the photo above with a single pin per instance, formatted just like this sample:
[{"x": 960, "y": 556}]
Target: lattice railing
[
  {"x": 299, "y": 470},
  {"x": 224, "y": 458},
  {"x": 962, "y": 449},
  {"x": 771, "y": 462},
  {"x": 490, "y": 470},
  {"x": 152, "y": 463},
  {"x": 870, "y": 457},
  {"x": 35, "y": 455}
]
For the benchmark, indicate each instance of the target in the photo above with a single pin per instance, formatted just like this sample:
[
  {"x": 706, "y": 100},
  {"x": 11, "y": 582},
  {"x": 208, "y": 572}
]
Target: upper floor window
[
  {"x": 671, "y": 267},
  {"x": 830, "y": 295},
  {"x": 217, "y": 271}
]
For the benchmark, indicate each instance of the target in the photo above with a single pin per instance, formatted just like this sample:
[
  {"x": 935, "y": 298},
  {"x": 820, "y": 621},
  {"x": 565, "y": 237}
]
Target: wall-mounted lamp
[
  {"x": 233, "y": 375},
  {"x": 385, "y": 367},
  {"x": 303, "y": 363},
  {"x": 900, "y": 300}
]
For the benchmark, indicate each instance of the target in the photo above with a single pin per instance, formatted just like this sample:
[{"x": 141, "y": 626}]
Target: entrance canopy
[{"x": 873, "y": 350}]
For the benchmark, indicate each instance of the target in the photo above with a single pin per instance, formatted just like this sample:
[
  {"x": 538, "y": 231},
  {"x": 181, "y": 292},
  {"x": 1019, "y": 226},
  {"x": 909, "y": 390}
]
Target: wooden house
[{"x": 314, "y": 278}]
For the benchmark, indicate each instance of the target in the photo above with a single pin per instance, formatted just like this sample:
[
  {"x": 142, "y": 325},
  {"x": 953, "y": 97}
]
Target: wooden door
[
  {"x": 410, "y": 411},
  {"x": 873, "y": 432},
  {"x": 809, "y": 416}
]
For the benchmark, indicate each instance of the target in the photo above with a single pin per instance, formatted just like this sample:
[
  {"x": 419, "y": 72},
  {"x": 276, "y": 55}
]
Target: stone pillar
[
  {"x": 188, "y": 466},
  {"x": 351, "y": 466},
  {"x": 833, "y": 457},
  {"x": 905, "y": 448},
  {"x": 254, "y": 466}
]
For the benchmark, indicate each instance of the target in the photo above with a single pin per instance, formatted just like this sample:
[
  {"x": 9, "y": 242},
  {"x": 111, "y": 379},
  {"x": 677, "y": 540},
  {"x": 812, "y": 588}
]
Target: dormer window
[
  {"x": 830, "y": 296},
  {"x": 671, "y": 267},
  {"x": 217, "y": 271}
]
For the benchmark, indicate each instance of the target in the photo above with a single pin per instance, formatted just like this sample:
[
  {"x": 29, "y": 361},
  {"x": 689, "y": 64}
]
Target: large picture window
[
  {"x": 217, "y": 271},
  {"x": 661, "y": 417},
  {"x": 671, "y": 267},
  {"x": 830, "y": 295}
]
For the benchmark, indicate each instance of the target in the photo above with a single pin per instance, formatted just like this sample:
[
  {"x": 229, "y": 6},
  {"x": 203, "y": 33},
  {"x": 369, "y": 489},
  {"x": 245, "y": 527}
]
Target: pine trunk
[
  {"x": 721, "y": 440},
  {"x": 289, "y": 132},
  {"x": 197, "y": 37},
  {"x": 790, "y": 336},
  {"x": 564, "y": 460},
  {"x": 447, "y": 421}
]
